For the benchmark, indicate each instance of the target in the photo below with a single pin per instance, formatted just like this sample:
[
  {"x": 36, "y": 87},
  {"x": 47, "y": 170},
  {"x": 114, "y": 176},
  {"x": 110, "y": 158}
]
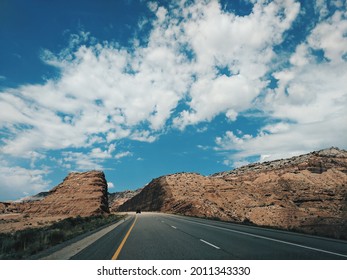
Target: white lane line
[
  {"x": 271, "y": 239},
  {"x": 174, "y": 227},
  {"x": 208, "y": 243}
]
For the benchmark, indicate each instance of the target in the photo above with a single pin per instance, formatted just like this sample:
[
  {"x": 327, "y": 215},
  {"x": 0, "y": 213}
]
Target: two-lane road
[{"x": 165, "y": 237}]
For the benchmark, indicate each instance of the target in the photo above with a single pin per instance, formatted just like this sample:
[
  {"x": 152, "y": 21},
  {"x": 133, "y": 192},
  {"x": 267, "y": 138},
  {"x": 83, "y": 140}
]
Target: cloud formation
[
  {"x": 233, "y": 54},
  {"x": 309, "y": 100},
  {"x": 16, "y": 180},
  {"x": 198, "y": 61},
  {"x": 109, "y": 91}
]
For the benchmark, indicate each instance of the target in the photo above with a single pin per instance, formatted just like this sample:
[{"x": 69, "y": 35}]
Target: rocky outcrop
[
  {"x": 11, "y": 208},
  {"x": 184, "y": 193},
  {"x": 80, "y": 194},
  {"x": 306, "y": 193},
  {"x": 118, "y": 198},
  {"x": 83, "y": 194}
]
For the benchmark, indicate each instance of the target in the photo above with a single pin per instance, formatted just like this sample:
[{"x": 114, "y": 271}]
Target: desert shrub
[
  {"x": 22, "y": 244},
  {"x": 55, "y": 237}
]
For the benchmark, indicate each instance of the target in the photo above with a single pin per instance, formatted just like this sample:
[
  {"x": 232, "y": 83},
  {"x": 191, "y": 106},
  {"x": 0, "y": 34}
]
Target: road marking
[
  {"x": 208, "y": 243},
  {"x": 174, "y": 227},
  {"x": 271, "y": 239},
  {"x": 116, "y": 254},
  {"x": 71, "y": 250}
]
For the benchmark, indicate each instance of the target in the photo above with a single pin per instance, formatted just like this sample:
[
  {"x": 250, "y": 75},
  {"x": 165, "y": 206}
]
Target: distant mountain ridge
[
  {"x": 118, "y": 198},
  {"x": 35, "y": 197}
]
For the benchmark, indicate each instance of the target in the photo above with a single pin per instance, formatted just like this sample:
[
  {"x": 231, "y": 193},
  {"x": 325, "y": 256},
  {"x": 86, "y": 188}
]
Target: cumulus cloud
[
  {"x": 111, "y": 92},
  {"x": 98, "y": 153},
  {"x": 311, "y": 98},
  {"x": 199, "y": 61},
  {"x": 242, "y": 47},
  {"x": 273, "y": 143},
  {"x": 102, "y": 91},
  {"x": 321, "y": 7},
  {"x": 80, "y": 161},
  {"x": 123, "y": 154},
  {"x": 17, "y": 181}
]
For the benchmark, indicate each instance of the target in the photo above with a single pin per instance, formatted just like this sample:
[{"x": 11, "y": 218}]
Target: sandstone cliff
[
  {"x": 306, "y": 193},
  {"x": 81, "y": 193}
]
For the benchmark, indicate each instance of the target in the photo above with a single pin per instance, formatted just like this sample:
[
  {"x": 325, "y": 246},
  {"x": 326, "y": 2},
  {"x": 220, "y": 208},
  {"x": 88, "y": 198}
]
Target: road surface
[{"x": 157, "y": 236}]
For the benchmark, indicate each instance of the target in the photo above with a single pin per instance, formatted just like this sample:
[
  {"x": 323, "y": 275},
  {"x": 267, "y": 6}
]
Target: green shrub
[{"x": 22, "y": 244}]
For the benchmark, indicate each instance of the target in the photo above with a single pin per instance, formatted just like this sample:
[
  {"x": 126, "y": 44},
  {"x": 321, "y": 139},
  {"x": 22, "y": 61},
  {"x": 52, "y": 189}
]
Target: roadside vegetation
[{"x": 25, "y": 243}]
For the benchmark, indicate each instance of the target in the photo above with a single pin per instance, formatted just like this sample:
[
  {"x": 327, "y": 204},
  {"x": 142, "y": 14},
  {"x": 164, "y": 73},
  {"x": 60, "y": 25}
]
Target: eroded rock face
[
  {"x": 118, "y": 198},
  {"x": 307, "y": 193},
  {"x": 81, "y": 193},
  {"x": 11, "y": 208}
]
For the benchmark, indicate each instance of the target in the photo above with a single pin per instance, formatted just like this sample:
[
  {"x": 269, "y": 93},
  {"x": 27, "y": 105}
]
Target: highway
[{"x": 158, "y": 236}]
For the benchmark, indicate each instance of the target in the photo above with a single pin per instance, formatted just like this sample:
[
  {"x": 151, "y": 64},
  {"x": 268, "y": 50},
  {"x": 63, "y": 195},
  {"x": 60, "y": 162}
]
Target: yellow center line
[{"x": 116, "y": 254}]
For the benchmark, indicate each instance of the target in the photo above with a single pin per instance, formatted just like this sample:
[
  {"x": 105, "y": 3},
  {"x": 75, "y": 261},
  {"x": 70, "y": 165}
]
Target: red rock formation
[
  {"x": 81, "y": 194},
  {"x": 11, "y": 207},
  {"x": 307, "y": 193},
  {"x": 118, "y": 198}
]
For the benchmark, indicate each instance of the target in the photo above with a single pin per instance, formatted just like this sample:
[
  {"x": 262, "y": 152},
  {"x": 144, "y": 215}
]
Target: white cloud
[
  {"x": 97, "y": 153},
  {"x": 321, "y": 7},
  {"x": 202, "y": 147},
  {"x": 313, "y": 91},
  {"x": 34, "y": 157},
  {"x": 106, "y": 92},
  {"x": 240, "y": 163},
  {"x": 153, "y": 6},
  {"x": 308, "y": 107},
  {"x": 202, "y": 129},
  {"x": 110, "y": 185},
  {"x": 242, "y": 46},
  {"x": 123, "y": 154},
  {"x": 17, "y": 181},
  {"x": 330, "y": 36},
  {"x": 337, "y": 3},
  {"x": 95, "y": 159},
  {"x": 220, "y": 95},
  {"x": 80, "y": 161},
  {"x": 200, "y": 58},
  {"x": 143, "y": 136},
  {"x": 282, "y": 141},
  {"x": 103, "y": 90}
]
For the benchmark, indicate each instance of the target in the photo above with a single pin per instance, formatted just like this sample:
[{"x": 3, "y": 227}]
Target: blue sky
[{"x": 140, "y": 89}]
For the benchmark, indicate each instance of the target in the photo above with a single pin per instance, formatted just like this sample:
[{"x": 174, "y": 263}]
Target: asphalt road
[{"x": 156, "y": 236}]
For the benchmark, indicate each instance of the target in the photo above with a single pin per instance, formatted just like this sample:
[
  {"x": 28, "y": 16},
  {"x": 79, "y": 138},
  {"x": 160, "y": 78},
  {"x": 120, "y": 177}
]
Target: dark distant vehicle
[{"x": 138, "y": 211}]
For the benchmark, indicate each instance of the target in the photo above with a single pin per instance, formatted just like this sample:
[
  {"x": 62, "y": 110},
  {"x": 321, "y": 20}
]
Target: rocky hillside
[
  {"x": 306, "y": 193},
  {"x": 82, "y": 194},
  {"x": 118, "y": 198}
]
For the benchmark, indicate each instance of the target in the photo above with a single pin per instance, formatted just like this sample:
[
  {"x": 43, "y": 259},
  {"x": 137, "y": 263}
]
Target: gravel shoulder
[{"x": 70, "y": 248}]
